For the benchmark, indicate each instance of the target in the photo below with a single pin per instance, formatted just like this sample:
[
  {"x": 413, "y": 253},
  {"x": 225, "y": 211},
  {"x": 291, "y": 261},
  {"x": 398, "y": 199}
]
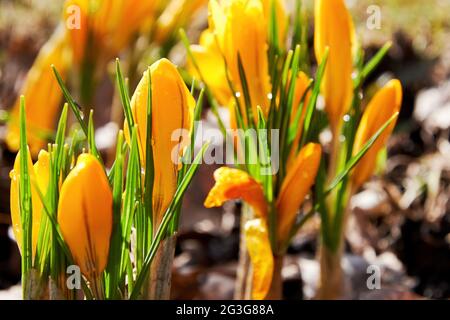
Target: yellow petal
[
  {"x": 334, "y": 29},
  {"x": 240, "y": 28},
  {"x": 85, "y": 215},
  {"x": 43, "y": 95},
  {"x": 295, "y": 187},
  {"x": 234, "y": 184},
  {"x": 39, "y": 174},
  {"x": 386, "y": 102},
  {"x": 172, "y": 109},
  {"x": 212, "y": 67},
  {"x": 259, "y": 249}
]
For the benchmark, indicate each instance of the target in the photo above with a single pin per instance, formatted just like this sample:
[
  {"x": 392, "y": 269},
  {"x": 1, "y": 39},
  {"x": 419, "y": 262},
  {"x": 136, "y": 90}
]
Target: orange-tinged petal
[
  {"x": 172, "y": 109},
  {"x": 295, "y": 187},
  {"x": 212, "y": 67},
  {"x": 39, "y": 174},
  {"x": 43, "y": 95},
  {"x": 301, "y": 85},
  {"x": 234, "y": 184},
  {"x": 259, "y": 249},
  {"x": 85, "y": 215},
  {"x": 241, "y": 28},
  {"x": 386, "y": 102},
  {"x": 334, "y": 29}
]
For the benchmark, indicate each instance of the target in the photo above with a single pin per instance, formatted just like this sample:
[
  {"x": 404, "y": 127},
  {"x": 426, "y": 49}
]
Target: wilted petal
[
  {"x": 295, "y": 187},
  {"x": 85, "y": 215},
  {"x": 234, "y": 184},
  {"x": 386, "y": 102},
  {"x": 259, "y": 249}
]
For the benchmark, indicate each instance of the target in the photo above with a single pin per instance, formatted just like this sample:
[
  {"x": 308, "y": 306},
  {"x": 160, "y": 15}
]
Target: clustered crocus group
[{"x": 245, "y": 63}]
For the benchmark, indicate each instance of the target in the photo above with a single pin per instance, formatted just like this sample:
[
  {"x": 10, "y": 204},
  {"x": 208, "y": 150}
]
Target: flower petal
[
  {"x": 43, "y": 94},
  {"x": 236, "y": 184},
  {"x": 386, "y": 102},
  {"x": 39, "y": 173},
  {"x": 172, "y": 111},
  {"x": 85, "y": 215},
  {"x": 295, "y": 187},
  {"x": 334, "y": 29},
  {"x": 259, "y": 249}
]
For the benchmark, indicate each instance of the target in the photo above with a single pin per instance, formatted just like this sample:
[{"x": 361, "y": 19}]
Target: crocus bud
[
  {"x": 85, "y": 215},
  {"x": 334, "y": 29},
  {"x": 39, "y": 176},
  {"x": 386, "y": 102},
  {"x": 172, "y": 112}
]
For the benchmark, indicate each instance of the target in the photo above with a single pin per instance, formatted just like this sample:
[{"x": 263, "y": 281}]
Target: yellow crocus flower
[
  {"x": 238, "y": 27},
  {"x": 172, "y": 109},
  {"x": 85, "y": 215},
  {"x": 334, "y": 29},
  {"x": 39, "y": 176},
  {"x": 237, "y": 184},
  {"x": 386, "y": 102},
  {"x": 43, "y": 93}
]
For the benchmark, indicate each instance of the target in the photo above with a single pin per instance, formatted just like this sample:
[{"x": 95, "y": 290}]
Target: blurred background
[{"x": 401, "y": 219}]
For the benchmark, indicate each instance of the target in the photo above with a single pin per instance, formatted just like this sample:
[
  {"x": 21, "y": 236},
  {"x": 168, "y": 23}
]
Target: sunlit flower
[
  {"x": 85, "y": 215},
  {"x": 238, "y": 28},
  {"x": 172, "y": 110}
]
